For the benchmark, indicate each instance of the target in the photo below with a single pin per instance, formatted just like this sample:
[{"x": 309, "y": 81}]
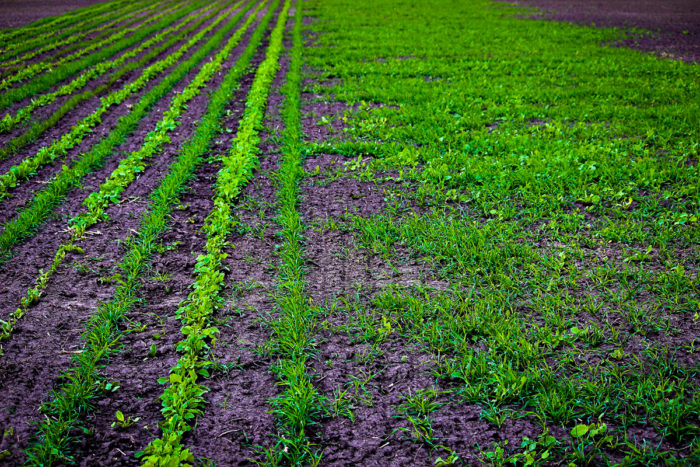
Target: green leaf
[{"x": 579, "y": 430}]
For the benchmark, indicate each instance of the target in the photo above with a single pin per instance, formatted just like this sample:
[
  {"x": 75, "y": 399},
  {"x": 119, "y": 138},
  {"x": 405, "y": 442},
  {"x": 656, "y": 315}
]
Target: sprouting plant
[
  {"x": 588, "y": 442},
  {"x": 498, "y": 455},
  {"x": 536, "y": 452},
  {"x": 422, "y": 402},
  {"x": 340, "y": 404},
  {"x": 162, "y": 276},
  {"x": 124, "y": 422},
  {"x": 451, "y": 459}
]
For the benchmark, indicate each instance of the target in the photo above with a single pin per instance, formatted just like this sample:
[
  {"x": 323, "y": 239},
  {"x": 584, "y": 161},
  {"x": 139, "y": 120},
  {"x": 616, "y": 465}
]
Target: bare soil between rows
[
  {"x": 87, "y": 107},
  {"x": 22, "y": 195}
]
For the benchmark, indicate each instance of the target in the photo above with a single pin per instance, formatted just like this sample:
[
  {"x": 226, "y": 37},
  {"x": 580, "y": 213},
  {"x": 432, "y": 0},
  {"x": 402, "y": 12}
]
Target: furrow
[
  {"x": 64, "y": 37},
  {"x": 90, "y": 77},
  {"x": 88, "y": 45},
  {"x": 53, "y": 24},
  {"x": 47, "y": 80}
]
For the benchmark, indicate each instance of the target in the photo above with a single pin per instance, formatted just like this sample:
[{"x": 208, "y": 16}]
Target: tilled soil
[
  {"x": 69, "y": 49},
  {"x": 163, "y": 290},
  {"x": 675, "y": 24},
  {"x": 88, "y": 106}
]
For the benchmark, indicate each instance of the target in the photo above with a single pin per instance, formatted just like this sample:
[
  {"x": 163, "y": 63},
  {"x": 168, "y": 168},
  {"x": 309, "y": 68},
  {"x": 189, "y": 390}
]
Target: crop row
[
  {"x": 49, "y": 26},
  {"x": 296, "y": 408},
  {"x": 45, "y": 81},
  {"x": 72, "y": 400},
  {"x": 73, "y": 138},
  {"x": 58, "y": 26},
  {"x": 125, "y": 173},
  {"x": 183, "y": 399},
  {"x": 44, "y": 201}
]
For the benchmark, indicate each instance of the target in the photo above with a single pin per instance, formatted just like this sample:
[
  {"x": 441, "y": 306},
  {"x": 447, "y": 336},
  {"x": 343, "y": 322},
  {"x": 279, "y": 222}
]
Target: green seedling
[{"x": 124, "y": 422}]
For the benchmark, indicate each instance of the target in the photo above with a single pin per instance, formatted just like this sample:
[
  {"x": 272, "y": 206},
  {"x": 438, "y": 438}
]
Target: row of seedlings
[
  {"x": 120, "y": 64},
  {"x": 183, "y": 399},
  {"x": 53, "y": 24},
  {"x": 293, "y": 333},
  {"x": 12, "y": 48},
  {"x": 102, "y": 337},
  {"x": 44, "y": 201},
  {"x": 55, "y": 76},
  {"x": 125, "y": 173},
  {"x": 81, "y": 41}
]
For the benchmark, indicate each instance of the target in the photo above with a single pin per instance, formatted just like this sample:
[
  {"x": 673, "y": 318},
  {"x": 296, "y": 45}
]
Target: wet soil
[
  {"x": 374, "y": 376},
  {"x": 63, "y": 51},
  {"x": 237, "y": 379},
  {"x": 675, "y": 24}
]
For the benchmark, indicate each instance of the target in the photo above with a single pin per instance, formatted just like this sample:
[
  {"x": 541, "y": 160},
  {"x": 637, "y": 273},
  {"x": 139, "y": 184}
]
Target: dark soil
[
  {"x": 377, "y": 374},
  {"x": 163, "y": 290},
  {"x": 18, "y": 278},
  {"x": 675, "y": 24},
  {"x": 378, "y": 434},
  {"x": 16, "y": 13}
]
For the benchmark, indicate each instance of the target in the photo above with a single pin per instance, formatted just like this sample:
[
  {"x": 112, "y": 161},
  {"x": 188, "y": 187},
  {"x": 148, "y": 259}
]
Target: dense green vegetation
[{"x": 552, "y": 183}]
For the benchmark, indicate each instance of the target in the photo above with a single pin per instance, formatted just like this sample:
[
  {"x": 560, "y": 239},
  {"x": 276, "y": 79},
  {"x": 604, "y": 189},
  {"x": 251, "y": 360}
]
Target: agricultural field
[{"x": 348, "y": 232}]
